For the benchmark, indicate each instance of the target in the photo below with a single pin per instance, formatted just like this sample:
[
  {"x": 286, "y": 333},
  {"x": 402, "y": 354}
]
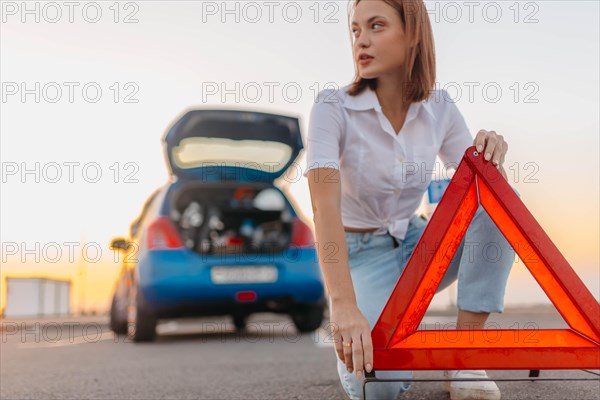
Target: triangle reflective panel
[{"x": 397, "y": 344}]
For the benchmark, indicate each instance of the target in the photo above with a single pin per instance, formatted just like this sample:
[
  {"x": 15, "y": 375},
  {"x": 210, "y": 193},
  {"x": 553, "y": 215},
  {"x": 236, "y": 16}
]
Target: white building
[{"x": 32, "y": 297}]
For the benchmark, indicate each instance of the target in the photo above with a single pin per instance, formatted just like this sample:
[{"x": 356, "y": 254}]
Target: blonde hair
[{"x": 419, "y": 79}]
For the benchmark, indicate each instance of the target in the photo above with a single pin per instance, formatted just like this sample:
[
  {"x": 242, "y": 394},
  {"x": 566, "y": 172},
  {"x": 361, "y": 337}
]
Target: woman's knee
[{"x": 374, "y": 390}]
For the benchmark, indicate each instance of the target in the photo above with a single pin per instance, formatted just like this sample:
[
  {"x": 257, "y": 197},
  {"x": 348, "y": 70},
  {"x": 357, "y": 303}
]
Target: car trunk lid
[{"x": 218, "y": 145}]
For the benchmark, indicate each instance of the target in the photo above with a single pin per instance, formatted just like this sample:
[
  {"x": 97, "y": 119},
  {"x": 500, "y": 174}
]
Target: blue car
[{"x": 219, "y": 238}]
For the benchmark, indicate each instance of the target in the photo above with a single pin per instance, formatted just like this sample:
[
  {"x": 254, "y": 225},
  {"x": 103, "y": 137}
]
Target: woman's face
[{"x": 377, "y": 31}]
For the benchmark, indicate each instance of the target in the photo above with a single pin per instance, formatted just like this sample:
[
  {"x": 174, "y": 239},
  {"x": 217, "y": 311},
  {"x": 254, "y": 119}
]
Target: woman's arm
[
  {"x": 348, "y": 324},
  {"x": 458, "y": 138},
  {"x": 325, "y": 193}
]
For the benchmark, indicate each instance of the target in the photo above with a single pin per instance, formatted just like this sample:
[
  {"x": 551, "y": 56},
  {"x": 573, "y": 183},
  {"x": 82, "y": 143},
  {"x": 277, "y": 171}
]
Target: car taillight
[
  {"x": 234, "y": 241},
  {"x": 301, "y": 234},
  {"x": 163, "y": 235}
]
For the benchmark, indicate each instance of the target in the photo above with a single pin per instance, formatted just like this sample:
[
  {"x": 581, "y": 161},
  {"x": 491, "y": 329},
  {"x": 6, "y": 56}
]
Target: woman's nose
[{"x": 362, "y": 42}]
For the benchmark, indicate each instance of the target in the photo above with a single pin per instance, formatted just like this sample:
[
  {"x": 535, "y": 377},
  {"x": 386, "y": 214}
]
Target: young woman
[{"x": 361, "y": 140}]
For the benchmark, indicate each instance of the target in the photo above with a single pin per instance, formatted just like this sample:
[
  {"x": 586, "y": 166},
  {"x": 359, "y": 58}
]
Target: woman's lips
[{"x": 364, "y": 61}]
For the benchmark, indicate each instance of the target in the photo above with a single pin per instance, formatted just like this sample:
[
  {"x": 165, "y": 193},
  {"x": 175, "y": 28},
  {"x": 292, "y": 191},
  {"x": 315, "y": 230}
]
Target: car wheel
[
  {"x": 308, "y": 318},
  {"x": 239, "y": 321},
  {"x": 118, "y": 327},
  {"x": 141, "y": 323}
]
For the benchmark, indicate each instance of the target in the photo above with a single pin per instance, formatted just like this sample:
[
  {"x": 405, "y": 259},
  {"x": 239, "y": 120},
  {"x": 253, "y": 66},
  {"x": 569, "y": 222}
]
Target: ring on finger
[{"x": 347, "y": 344}]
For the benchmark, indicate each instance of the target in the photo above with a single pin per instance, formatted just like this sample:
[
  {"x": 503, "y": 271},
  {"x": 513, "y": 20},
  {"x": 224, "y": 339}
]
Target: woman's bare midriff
[{"x": 359, "y": 229}]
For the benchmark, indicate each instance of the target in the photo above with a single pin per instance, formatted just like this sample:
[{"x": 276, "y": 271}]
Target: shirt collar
[{"x": 368, "y": 100}]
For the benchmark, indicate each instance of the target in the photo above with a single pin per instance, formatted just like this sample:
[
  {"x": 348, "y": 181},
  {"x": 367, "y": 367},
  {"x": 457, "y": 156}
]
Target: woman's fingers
[
  {"x": 492, "y": 146},
  {"x": 480, "y": 140},
  {"x": 358, "y": 357},
  {"x": 499, "y": 153},
  {"x": 368, "y": 351},
  {"x": 347, "y": 345},
  {"x": 363, "y": 353},
  {"x": 337, "y": 340}
]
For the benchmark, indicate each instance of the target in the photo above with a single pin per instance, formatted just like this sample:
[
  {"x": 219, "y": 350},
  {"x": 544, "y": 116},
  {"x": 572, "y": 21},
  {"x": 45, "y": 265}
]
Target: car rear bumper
[{"x": 180, "y": 280}]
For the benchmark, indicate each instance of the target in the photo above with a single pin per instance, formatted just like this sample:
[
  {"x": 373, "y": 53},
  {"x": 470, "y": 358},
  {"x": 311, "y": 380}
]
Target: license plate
[{"x": 243, "y": 274}]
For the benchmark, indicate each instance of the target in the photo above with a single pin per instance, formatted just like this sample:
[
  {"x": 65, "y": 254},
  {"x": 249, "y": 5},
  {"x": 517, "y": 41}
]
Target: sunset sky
[{"x": 542, "y": 55}]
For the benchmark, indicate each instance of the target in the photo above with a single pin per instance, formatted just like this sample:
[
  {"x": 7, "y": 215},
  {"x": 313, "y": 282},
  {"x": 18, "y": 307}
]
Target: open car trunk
[
  {"x": 217, "y": 145},
  {"x": 232, "y": 218}
]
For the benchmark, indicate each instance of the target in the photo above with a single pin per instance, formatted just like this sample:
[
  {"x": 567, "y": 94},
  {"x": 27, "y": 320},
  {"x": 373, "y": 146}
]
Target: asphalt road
[{"x": 207, "y": 359}]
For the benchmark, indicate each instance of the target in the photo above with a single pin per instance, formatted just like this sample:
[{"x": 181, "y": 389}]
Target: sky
[{"x": 88, "y": 92}]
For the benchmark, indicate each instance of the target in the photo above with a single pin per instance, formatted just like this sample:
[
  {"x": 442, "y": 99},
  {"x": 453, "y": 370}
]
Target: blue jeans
[{"x": 376, "y": 262}]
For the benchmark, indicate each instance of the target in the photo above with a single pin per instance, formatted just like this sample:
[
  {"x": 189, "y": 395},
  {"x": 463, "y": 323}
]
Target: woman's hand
[
  {"x": 351, "y": 327},
  {"x": 493, "y": 147}
]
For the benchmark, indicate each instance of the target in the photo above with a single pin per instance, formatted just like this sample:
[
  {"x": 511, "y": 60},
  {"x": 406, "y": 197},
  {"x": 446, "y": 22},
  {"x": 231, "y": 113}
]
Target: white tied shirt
[{"x": 383, "y": 175}]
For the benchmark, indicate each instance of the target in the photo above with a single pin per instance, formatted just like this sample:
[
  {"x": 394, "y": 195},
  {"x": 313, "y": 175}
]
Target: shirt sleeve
[
  {"x": 325, "y": 129},
  {"x": 457, "y": 138}
]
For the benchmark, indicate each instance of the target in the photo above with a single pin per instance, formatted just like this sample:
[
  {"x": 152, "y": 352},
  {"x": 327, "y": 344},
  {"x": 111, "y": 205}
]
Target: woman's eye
[{"x": 355, "y": 31}]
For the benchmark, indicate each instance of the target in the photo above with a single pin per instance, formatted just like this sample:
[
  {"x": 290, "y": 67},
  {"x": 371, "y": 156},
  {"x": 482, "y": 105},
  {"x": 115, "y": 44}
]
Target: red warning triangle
[{"x": 399, "y": 345}]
